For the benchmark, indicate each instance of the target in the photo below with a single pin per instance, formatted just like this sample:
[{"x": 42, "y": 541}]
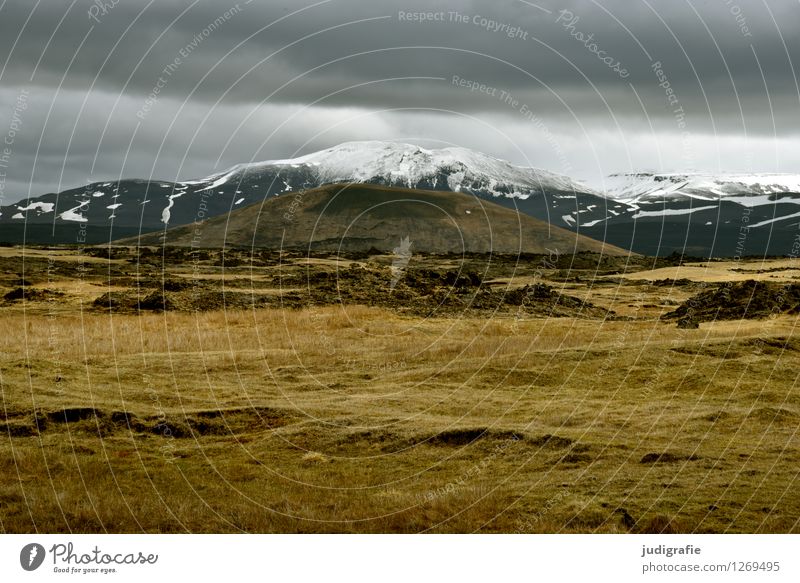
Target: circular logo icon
[{"x": 31, "y": 556}]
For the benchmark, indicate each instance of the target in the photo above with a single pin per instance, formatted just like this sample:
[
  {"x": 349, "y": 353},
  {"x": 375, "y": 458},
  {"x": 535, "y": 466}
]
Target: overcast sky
[{"x": 274, "y": 79}]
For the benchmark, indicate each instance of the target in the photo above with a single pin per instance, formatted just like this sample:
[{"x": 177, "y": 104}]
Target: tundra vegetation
[{"x": 179, "y": 390}]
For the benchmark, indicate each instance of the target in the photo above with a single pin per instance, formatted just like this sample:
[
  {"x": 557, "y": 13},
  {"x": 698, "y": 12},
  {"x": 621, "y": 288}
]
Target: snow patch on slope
[
  {"x": 42, "y": 207},
  {"x": 74, "y": 214}
]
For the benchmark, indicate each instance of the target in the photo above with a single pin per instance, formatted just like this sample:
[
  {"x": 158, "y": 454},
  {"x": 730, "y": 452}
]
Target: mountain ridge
[{"x": 648, "y": 212}]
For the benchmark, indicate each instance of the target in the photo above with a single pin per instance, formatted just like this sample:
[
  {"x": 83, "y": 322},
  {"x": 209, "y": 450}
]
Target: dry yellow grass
[
  {"x": 357, "y": 419},
  {"x": 778, "y": 270}
]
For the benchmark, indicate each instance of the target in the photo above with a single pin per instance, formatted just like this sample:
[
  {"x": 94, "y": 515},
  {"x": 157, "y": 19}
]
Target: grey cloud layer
[{"x": 731, "y": 68}]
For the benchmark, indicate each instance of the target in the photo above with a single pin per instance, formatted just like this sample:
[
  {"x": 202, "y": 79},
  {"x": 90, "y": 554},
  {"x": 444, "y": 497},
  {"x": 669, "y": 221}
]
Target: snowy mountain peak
[{"x": 411, "y": 166}]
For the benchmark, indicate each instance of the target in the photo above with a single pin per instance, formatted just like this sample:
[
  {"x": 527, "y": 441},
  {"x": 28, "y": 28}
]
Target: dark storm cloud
[{"x": 227, "y": 75}]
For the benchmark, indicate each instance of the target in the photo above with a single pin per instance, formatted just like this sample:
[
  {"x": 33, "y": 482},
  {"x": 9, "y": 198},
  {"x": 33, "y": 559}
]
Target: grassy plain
[{"x": 344, "y": 417}]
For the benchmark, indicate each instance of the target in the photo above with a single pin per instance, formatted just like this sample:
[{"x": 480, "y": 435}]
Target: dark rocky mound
[
  {"x": 682, "y": 282},
  {"x": 32, "y": 294},
  {"x": 667, "y": 458},
  {"x": 466, "y": 436},
  {"x": 423, "y": 292},
  {"x": 430, "y": 292},
  {"x": 199, "y": 300},
  {"x": 737, "y": 300},
  {"x": 188, "y": 424}
]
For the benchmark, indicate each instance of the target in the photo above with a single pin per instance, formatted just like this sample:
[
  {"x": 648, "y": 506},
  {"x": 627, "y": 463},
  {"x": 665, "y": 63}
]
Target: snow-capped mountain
[
  {"x": 748, "y": 189},
  {"x": 650, "y": 213},
  {"x": 409, "y": 166}
]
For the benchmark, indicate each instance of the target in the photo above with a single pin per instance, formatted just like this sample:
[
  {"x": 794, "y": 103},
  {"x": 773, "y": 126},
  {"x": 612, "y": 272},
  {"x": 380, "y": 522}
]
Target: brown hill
[{"x": 358, "y": 217}]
